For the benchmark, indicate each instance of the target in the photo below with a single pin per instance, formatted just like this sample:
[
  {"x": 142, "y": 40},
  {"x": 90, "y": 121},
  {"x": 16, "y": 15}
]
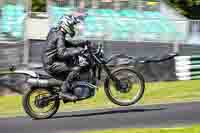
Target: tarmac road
[{"x": 182, "y": 114}]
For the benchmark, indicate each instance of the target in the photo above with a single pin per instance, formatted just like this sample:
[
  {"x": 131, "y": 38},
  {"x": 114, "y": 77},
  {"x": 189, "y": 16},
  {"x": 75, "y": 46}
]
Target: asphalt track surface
[{"x": 166, "y": 116}]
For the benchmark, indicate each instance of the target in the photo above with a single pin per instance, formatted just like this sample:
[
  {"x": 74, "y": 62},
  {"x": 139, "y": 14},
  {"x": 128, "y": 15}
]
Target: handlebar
[{"x": 97, "y": 50}]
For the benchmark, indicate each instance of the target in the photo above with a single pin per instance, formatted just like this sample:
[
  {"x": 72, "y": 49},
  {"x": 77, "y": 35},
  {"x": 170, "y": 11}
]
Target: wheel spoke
[
  {"x": 40, "y": 110},
  {"x": 127, "y": 95}
]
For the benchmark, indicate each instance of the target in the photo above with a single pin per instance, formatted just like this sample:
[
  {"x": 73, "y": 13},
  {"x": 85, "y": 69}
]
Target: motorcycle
[{"x": 123, "y": 85}]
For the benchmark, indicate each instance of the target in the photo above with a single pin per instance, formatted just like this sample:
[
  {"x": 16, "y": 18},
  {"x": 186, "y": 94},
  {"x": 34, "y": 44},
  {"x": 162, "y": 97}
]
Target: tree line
[{"x": 188, "y": 8}]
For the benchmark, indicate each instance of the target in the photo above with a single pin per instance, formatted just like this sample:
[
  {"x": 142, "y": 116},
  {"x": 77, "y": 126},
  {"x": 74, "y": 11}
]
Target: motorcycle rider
[{"x": 61, "y": 57}]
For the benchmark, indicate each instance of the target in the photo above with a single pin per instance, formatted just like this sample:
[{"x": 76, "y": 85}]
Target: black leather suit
[{"x": 60, "y": 57}]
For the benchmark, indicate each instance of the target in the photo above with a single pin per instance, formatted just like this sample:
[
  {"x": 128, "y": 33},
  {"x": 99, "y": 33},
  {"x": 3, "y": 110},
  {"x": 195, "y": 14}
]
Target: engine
[{"x": 83, "y": 90}]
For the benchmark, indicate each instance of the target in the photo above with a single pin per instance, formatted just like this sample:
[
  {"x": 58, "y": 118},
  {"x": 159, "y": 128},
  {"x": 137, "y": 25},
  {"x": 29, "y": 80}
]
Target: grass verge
[
  {"x": 155, "y": 93},
  {"x": 193, "y": 129}
]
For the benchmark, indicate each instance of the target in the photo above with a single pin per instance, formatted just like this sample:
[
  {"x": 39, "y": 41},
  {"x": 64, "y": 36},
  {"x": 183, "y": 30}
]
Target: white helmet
[{"x": 67, "y": 22}]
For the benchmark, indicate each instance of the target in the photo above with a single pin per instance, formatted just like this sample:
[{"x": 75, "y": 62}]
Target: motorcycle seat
[{"x": 43, "y": 75}]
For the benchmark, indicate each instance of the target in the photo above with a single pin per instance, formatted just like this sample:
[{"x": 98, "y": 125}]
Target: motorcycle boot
[
  {"x": 66, "y": 87},
  {"x": 66, "y": 94}
]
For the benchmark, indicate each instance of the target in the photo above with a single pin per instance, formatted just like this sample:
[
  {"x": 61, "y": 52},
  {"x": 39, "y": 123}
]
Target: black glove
[
  {"x": 87, "y": 43},
  {"x": 84, "y": 43}
]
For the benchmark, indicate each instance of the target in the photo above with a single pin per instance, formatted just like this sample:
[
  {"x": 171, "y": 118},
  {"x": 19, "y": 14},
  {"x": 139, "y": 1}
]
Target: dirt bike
[{"x": 123, "y": 85}]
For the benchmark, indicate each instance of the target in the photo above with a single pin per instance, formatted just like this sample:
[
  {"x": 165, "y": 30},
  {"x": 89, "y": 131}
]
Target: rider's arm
[
  {"x": 76, "y": 43},
  {"x": 64, "y": 52}
]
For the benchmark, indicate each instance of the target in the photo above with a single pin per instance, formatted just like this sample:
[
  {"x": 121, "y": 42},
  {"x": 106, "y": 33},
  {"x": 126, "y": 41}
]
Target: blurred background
[{"x": 141, "y": 28}]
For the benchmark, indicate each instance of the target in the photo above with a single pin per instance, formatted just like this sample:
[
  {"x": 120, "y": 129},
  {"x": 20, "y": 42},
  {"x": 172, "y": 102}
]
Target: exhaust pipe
[{"x": 36, "y": 82}]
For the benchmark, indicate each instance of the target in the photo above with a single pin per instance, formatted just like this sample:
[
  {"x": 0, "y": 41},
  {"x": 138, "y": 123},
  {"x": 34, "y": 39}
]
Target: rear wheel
[
  {"x": 36, "y": 105},
  {"x": 131, "y": 90}
]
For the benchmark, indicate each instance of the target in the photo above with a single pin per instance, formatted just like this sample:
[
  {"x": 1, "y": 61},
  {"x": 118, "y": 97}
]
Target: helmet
[{"x": 67, "y": 22}]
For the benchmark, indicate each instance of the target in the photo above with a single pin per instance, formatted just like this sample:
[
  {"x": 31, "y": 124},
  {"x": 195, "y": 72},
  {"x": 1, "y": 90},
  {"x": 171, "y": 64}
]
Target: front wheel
[
  {"x": 37, "y": 107},
  {"x": 131, "y": 93}
]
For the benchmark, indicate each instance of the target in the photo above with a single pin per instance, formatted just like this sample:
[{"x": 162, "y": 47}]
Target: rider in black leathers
[{"x": 60, "y": 57}]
